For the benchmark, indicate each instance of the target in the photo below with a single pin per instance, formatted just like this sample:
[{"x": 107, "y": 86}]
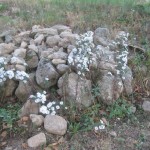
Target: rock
[
  {"x": 33, "y": 48},
  {"x": 11, "y": 85},
  {"x": 62, "y": 68},
  {"x": 146, "y": 106},
  {"x": 46, "y": 53},
  {"x": 23, "y": 44},
  {"x": 37, "y": 140},
  {"x": 45, "y": 31},
  {"x": 6, "y": 48},
  {"x": 101, "y": 36},
  {"x": 37, "y": 119},
  {"x": 17, "y": 60},
  {"x": 76, "y": 89},
  {"x": 128, "y": 81},
  {"x": 58, "y": 55},
  {"x": 20, "y": 67},
  {"x": 55, "y": 124},
  {"x": 70, "y": 48},
  {"x": 24, "y": 90},
  {"x": 64, "y": 43},
  {"x": 58, "y": 61},
  {"x": 23, "y": 36},
  {"x": 30, "y": 107},
  {"x": 32, "y": 59},
  {"x": 53, "y": 40},
  {"x": 39, "y": 39},
  {"x": 113, "y": 133},
  {"x": 70, "y": 36},
  {"x": 46, "y": 70},
  {"x": 20, "y": 52},
  {"x": 110, "y": 88},
  {"x": 61, "y": 28}
]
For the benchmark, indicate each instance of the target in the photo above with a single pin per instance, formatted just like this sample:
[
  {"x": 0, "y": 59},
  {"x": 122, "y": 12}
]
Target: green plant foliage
[
  {"x": 119, "y": 109},
  {"x": 9, "y": 114}
]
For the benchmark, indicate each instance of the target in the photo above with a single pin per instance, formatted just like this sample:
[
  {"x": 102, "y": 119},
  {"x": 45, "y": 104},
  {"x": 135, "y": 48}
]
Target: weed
[
  {"x": 3, "y": 7},
  {"x": 119, "y": 109},
  {"x": 9, "y": 115}
]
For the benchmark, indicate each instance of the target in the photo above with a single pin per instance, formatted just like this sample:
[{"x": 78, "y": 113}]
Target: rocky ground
[{"x": 64, "y": 93}]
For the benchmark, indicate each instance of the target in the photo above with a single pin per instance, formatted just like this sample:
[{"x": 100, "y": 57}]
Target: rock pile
[{"x": 44, "y": 53}]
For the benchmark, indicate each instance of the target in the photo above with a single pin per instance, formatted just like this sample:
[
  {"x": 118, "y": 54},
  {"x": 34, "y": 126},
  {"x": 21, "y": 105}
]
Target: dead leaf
[
  {"x": 25, "y": 119},
  {"x": 105, "y": 121},
  {"x": 24, "y": 145},
  {"x": 4, "y": 134},
  {"x": 3, "y": 143}
]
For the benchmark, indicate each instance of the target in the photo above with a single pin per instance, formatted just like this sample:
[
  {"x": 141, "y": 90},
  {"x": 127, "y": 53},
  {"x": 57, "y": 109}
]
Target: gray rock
[
  {"x": 32, "y": 59},
  {"x": 61, "y": 28},
  {"x": 58, "y": 55},
  {"x": 70, "y": 36},
  {"x": 110, "y": 88},
  {"x": 75, "y": 88},
  {"x": 53, "y": 40},
  {"x": 33, "y": 48},
  {"x": 70, "y": 48},
  {"x": 20, "y": 52},
  {"x": 46, "y": 70},
  {"x": 20, "y": 67},
  {"x": 37, "y": 140},
  {"x": 24, "y": 90},
  {"x": 37, "y": 119},
  {"x": 58, "y": 61},
  {"x": 55, "y": 124},
  {"x": 17, "y": 60},
  {"x": 45, "y": 31},
  {"x": 101, "y": 36},
  {"x": 146, "y": 106},
  {"x": 23, "y": 36},
  {"x": 128, "y": 81},
  {"x": 30, "y": 107},
  {"x": 11, "y": 85},
  {"x": 23, "y": 44},
  {"x": 46, "y": 53},
  {"x": 39, "y": 39},
  {"x": 6, "y": 48},
  {"x": 64, "y": 43},
  {"x": 62, "y": 68}
]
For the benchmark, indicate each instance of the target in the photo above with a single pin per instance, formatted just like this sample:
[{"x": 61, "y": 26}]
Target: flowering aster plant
[
  {"x": 122, "y": 55},
  {"x": 81, "y": 55},
  {"x": 11, "y": 74},
  {"x": 49, "y": 108}
]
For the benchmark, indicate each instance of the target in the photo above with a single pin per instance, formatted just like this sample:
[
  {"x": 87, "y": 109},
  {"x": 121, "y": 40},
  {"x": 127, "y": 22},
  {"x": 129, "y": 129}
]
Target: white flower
[
  {"x": 32, "y": 96},
  {"x": 44, "y": 92},
  {"x": 57, "y": 107},
  {"x": 61, "y": 103},
  {"x": 53, "y": 113},
  {"x": 10, "y": 74},
  {"x": 102, "y": 127},
  {"x": 44, "y": 110},
  {"x": 66, "y": 107},
  {"x": 119, "y": 83},
  {"x": 47, "y": 79},
  {"x": 49, "y": 104},
  {"x": 123, "y": 78},
  {"x": 52, "y": 108},
  {"x": 53, "y": 103},
  {"x": 96, "y": 128}
]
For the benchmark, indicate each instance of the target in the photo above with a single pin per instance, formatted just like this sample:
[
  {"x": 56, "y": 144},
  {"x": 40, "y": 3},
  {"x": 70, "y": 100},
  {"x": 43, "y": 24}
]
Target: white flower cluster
[
  {"x": 49, "y": 108},
  {"x": 81, "y": 55},
  {"x": 100, "y": 127},
  {"x": 21, "y": 75},
  {"x": 122, "y": 56},
  {"x": 39, "y": 97},
  {"x": 10, "y": 74}
]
